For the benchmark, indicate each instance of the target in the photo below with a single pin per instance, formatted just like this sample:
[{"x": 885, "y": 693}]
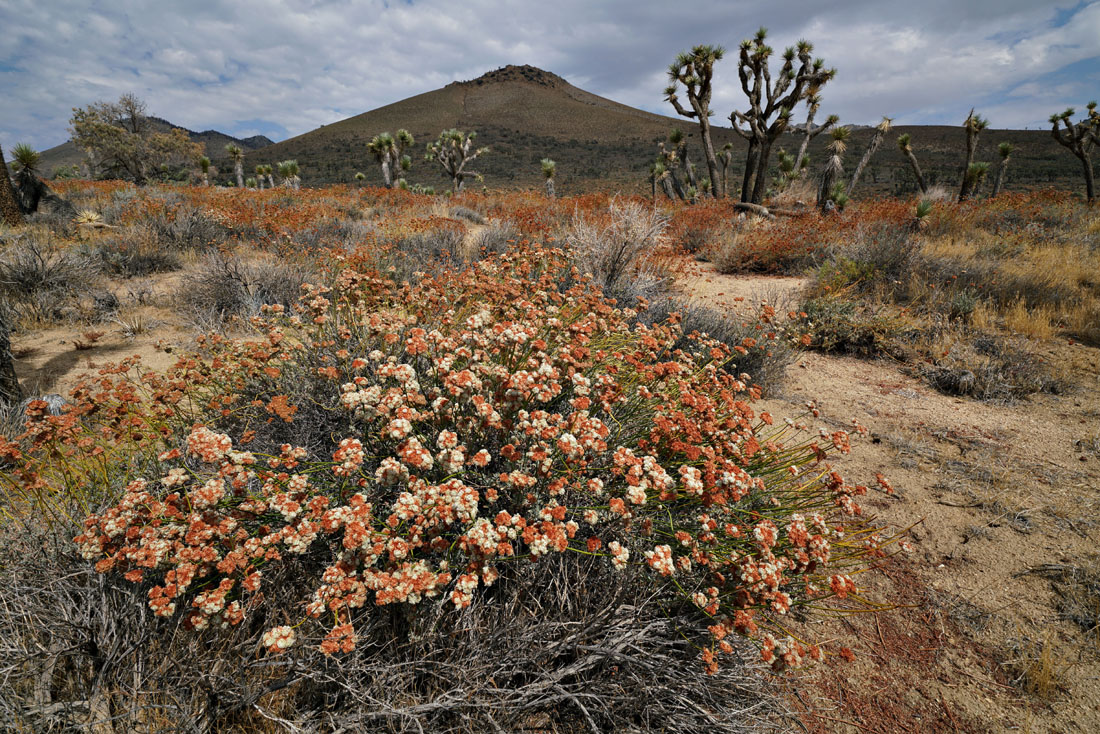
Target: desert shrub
[
  {"x": 563, "y": 641},
  {"x": 462, "y": 212},
  {"x": 495, "y": 238},
  {"x": 840, "y": 326},
  {"x": 130, "y": 254},
  {"x": 226, "y": 286},
  {"x": 613, "y": 246},
  {"x": 339, "y": 233},
  {"x": 39, "y": 279},
  {"x": 878, "y": 259},
  {"x": 985, "y": 366},
  {"x": 188, "y": 228},
  {"x": 372, "y": 476}
]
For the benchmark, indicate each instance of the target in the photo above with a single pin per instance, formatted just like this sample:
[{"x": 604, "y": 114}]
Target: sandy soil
[{"x": 993, "y": 493}]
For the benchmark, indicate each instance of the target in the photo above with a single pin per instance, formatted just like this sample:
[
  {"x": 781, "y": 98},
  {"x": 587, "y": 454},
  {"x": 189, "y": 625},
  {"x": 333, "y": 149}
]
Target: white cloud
[{"x": 297, "y": 64}]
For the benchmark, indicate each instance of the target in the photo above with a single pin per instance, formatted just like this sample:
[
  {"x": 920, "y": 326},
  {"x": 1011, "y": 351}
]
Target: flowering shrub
[{"x": 408, "y": 444}]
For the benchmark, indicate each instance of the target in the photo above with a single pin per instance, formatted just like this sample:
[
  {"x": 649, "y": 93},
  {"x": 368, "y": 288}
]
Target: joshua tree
[
  {"x": 260, "y": 170},
  {"x": 1005, "y": 151},
  {"x": 288, "y": 171},
  {"x": 204, "y": 166},
  {"x": 28, "y": 186},
  {"x": 905, "y": 146},
  {"x": 453, "y": 150},
  {"x": 771, "y": 101},
  {"x": 834, "y": 166},
  {"x": 973, "y": 125},
  {"x": 876, "y": 140},
  {"x": 237, "y": 156},
  {"x": 250, "y": 182},
  {"x": 813, "y": 103},
  {"x": 269, "y": 171},
  {"x": 695, "y": 70},
  {"x": 9, "y": 207},
  {"x": 725, "y": 157},
  {"x": 359, "y": 178},
  {"x": 548, "y": 169},
  {"x": 973, "y": 178},
  {"x": 1080, "y": 138},
  {"x": 389, "y": 152},
  {"x": 673, "y": 153}
]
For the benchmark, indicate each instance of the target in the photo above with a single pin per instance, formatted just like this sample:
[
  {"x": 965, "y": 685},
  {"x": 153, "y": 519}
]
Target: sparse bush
[
  {"x": 188, "y": 228},
  {"x": 985, "y": 367},
  {"x": 39, "y": 279},
  {"x": 613, "y": 249},
  {"x": 843, "y": 327},
  {"x": 226, "y": 286},
  {"x": 462, "y": 212},
  {"x": 494, "y": 239},
  {"x": 131, "y": 254}
]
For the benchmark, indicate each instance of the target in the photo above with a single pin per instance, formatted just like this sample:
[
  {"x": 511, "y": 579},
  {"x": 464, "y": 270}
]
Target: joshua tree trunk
[
  {"x": 759, "y": 186},
  {"x": 9, "y": 207},
  {"x": 550, "y": 188},
  {"x": 387, "y": 173},
  {"x": 998, "y": 182},
  {"x": 238, "y": 168},
  {"x": 1090, "y": 185},
  {"x": 717, "y": 189},
  {"x": 271, "y": 181},
  {"x": 750, "y": 171},
  {"x": 10, "y": 392}
]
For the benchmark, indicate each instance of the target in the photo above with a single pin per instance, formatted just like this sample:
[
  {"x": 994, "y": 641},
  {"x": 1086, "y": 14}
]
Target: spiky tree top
[
  {"x": 1077, "y": 136},
  {"x": 549, "y": 167},
  {"x": 798, "y": 76},
  {"x": 695, "y": 70},
  {"x": 1005, "y": 150},
  {"x": 453, "y": 150},
  {"x": 234, "y": 151},
  {"x": 25, "y": 158}
]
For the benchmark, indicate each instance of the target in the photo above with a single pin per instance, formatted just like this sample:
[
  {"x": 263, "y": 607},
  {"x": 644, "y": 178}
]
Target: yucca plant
[
  {"x": 974, "y": 124},
  {"x": 876, "y": 140},
  {"x": 360, "y": 178},
  {"x": 1079, "y": 138},
  {"x": 549, "y": 167},
  {"x": 204, "y": 166},
  {"x": 28, "y": 186},
  {"x": 288, "y": 171},
  {"x": 389, "y": 151},
  {"x": 905, "y": 146},
  {"x": 834, "y": 166},
  {"x": 725, "y": 157},
  {"x": 695, "y": 70},
  {"x": 237, "y": 156},
  {"x": 920, "y": 218},
  {"x": 1005, "y": 151},
  {"x": 250, "y": 182},
  {"x": 10, "y": 212},
  {"x": 260, "y": 176}
]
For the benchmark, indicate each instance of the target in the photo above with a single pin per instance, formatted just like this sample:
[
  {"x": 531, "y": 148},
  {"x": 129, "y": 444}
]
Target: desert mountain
[
  {"x": 525, "y": 114},
  {"x": 67, "y": 154}
]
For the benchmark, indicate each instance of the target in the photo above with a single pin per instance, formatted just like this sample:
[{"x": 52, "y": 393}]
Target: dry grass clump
[
  {"x": 226, "y": 286},
  {"x": 40, "y": 278},
  {"x": 132, "y": 252},
  {"x": 1035, "y": 666},
  {"x": 613, "y": 248},
  {"x": 1077, "y": 586},
  {"x": 984, "y": 366}
]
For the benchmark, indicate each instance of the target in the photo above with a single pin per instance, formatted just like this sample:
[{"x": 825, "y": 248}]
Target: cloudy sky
[{"x": 284, "y": 67}]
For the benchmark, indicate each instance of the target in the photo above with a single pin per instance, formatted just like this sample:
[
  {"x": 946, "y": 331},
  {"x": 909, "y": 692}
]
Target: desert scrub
[
  {"x": 40, "y": 278},
  {"x": 840, "y": 326},
  {"x": 411, "y": 444}
]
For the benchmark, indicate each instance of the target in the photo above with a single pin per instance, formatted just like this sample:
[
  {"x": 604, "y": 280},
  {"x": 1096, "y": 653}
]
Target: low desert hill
[
  {"x": 67, "y": 154},
  {"x": 525, "y": 114}
]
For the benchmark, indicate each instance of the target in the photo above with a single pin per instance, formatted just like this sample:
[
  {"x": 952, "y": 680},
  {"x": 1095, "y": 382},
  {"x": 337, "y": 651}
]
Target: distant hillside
[
  {"x": 524, "y": 114},
  {"x": 67, "y": 154}
]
